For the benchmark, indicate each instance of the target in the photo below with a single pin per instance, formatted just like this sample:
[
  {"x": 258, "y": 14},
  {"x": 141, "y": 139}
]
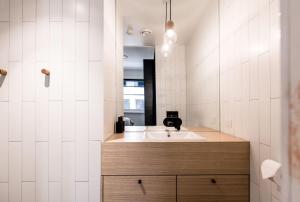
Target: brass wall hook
[
  {"x": 46, "y": 72},
  {"x": 3, "y": 72}
]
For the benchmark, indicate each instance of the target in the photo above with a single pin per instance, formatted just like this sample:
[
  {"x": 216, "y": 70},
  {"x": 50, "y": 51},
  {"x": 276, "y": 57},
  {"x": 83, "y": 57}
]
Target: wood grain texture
[
  {"x": 151, "y": 189},
  {"x": 175, "y": 158},
  {"x": 227, "y": 188}
]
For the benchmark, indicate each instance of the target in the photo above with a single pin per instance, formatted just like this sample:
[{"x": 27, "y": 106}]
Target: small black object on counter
[{"x": 120, "y": 125}]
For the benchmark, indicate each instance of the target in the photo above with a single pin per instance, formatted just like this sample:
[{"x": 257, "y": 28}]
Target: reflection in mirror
[{"x": 170, "y": 61}]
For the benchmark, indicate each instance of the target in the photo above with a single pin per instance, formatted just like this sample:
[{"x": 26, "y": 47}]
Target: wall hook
[
  {"x": 3, "y": 72},
  {"x": 46, "y": 72}
]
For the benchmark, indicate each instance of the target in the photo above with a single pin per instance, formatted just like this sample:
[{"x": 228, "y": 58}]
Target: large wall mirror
[{"x": 169, "y": 66}]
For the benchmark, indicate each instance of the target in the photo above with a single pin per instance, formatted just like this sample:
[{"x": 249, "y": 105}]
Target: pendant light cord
[{"x": 170, "y": 9}]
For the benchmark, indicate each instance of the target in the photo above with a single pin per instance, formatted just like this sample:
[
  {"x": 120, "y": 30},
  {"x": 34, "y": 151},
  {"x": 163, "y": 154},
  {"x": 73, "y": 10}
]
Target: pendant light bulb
[
  {"x": 165, "y": 49},
  {"x": 170, "y": 34}
]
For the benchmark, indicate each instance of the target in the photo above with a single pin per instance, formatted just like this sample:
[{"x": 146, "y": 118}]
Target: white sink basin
[
  {"x": 163, "y": 128},
  {"x": 172, "y": 135}
]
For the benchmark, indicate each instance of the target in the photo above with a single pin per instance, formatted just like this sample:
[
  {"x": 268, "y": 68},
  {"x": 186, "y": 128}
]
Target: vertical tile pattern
[
  {"x": 46, "y": 136},
  {"x": 170, "y": 93},
  {"x": 202, "y": 72},
  {"x": 15, "y": 172},
  {"x": 4, "y": 142},
  {"x": 259, "y": 46},
  {"x": 3, "y": 192}
]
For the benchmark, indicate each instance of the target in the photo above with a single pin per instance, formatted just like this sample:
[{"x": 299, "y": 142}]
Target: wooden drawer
[
  {"x": 150, "y": 189},
  {"x": 213, "y": 188}
]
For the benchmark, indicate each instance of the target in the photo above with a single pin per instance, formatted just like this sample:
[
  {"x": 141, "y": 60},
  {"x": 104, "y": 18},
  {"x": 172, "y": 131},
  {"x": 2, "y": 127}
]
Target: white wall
[
  {"x": 170, "y": 83},
  {"x": 202, "y": 61},
  {"x": 110, "y": 71},
  {"x": 50, "y": 136},
  {"x": 250, "y": 83}
]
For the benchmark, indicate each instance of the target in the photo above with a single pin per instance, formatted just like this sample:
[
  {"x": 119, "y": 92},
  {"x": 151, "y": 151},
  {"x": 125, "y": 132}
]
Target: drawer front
[
  {"x": 139, "y": 189},
  {"x": 213, "y": 188}
]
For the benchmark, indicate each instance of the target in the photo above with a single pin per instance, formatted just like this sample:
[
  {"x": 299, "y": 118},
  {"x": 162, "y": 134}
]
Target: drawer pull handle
[
  {"x": 213, "y": 181},
  {"x": 140, "y": 182}
]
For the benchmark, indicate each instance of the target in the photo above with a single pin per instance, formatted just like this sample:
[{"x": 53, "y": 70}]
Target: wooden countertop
[{"x": 137, "y": 134}]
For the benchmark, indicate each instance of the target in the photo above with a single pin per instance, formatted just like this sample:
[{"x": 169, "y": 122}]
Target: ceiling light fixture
[
  {"x": 146, "y": 32},
  {"x": 170, "y": 36}
]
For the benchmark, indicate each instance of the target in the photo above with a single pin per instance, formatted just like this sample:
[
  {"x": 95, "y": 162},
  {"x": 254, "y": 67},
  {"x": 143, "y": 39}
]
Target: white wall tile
[
  {"x": 276, "y": 132},
  {"x": 254, "y": 79},
  {"x": 264, "y": 28},
  {"x": 4, "y": 41},
  {"x": 265, "y": 185},
  {"x": 29, "y": 10},
  {"x": 68, "y": 120},
  {"x": 4, "y": 192},
  {"x": 68, "y": 171},
  {"x": 42, "y": 187},
  {"x": 82, "y": 10},
  {"x": 253, "y": 131},
  {"x": 69, "y": 46},
  {"x": 15, "y": 81},
  {"x": 94, "y": 171},
  {"x": 82, "y": 193},
  {"x": 254, "y": 192},
  {"x": 15, "y": 121},
  {"x": 42, "y": 39},
  {"x": 56, "y": 10},
  {"x": 4, "y": 142},
  {"x": 15, "y": 171},
  {"x": 15, "y": 40},
  {"x": 42, "y": 30},
  {"x": 95, "y": 101},
  {"x": 28, "y": 192},
  {"x": 55, "y": 141},
  {"x": 55, "y": 192},
  {"x": 82, "y": 128},
  {"x": 258, "y": 40},
  {"x": 4, "y": 10},
  {"x": 42, "y": 119},
  {"x": 82, "y": 61},
  {"x": 29, "y": 44},
  {"x": 28, "y": 80},
  {"x": 68, "y": 85},
  {"x": 15, "y": 11},
  {"x": 265, "y": 121},
  {"x": 56, "y": 56},
  {"x": 28, "y": 146},
  {"x": 95, "y": 30},
  {"x": 60, "y": 36}
]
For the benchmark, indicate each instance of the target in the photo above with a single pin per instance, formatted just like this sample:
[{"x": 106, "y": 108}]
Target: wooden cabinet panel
[
  {"x": 139, "y": 189},
  {"x": 175, "y": 158},
  {"x": 213, "y": 188}
]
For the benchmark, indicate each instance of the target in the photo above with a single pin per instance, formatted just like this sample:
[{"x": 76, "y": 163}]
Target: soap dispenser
[{"x": 120, "y": 125}]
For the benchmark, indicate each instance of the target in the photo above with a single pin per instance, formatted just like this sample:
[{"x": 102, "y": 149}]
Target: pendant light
[
  {"x": 166, "y": 47},
  {"x": 170, "y": 34}
]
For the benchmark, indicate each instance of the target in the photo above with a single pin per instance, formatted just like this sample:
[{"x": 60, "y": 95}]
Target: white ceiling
[
  {"x": 150, "y": 14},
  {"x": 136, "y": 56}
]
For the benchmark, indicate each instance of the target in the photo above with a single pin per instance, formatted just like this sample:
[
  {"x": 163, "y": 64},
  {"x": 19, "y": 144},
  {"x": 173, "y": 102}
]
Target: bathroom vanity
[{"x": 165, "y": 166}]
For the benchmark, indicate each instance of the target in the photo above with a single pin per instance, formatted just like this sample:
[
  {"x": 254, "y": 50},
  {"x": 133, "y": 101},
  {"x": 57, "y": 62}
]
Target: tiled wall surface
[
  {"x": 50, "y": 130},
  {"x": 202, "y": 60},
  {"x": 110, "y": 70},
  {"x": 250, "y": 83},
  {"x": 170, "y": 83}
]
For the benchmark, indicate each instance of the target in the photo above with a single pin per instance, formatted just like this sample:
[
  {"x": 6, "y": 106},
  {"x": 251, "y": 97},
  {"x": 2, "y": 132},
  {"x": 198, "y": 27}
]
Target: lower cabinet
[
  {"x": 213, "y": 188},
  {"x": 139, "y": 189},
  {"x": 199, "y": 188}
]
